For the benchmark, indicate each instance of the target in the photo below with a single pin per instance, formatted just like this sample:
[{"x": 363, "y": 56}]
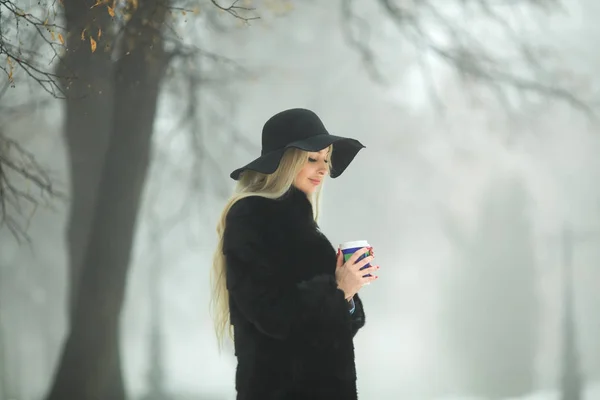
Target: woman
[{"x": 292, "y": 303}]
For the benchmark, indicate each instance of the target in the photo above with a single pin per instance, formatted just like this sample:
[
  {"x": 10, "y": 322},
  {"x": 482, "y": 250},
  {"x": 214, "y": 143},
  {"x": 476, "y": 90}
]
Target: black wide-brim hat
[{"x": 302, "y": 129}]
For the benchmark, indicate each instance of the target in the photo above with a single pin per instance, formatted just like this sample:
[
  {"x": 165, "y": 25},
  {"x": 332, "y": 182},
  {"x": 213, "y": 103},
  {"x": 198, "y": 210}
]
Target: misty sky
[{"x": 419, "y": 165}]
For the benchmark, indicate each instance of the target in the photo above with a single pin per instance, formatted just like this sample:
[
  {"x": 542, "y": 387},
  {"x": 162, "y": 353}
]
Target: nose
[{"x": 322, "y": 169}]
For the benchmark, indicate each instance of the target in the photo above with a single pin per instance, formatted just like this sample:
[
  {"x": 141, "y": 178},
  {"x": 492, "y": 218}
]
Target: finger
[
  {"x": 357, "y": 254},
  {"x": 340, "y": 259},
  {"x": 368, "y": 279},
  {"x": 369, "y": 270},
  {"x": 363, "y": 262}
]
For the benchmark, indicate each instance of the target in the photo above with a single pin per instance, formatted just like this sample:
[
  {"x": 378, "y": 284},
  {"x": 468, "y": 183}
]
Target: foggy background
[{"x": 480, "y": 196}]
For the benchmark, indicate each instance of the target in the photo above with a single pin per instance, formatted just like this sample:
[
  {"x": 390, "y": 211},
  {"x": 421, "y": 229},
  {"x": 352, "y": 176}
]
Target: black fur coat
[{"x": 293, "y": 329}]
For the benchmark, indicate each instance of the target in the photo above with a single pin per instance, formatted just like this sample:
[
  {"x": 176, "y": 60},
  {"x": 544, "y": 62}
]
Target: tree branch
[
  {"x": 31, "y": 43},
  {"x": 18, "y": 164},
  {"x": 39, "y": 35},
  {"x": 464, "y": 52},
  {"x": 350, "y": 21},
  {"x": 235, "y": 10}
]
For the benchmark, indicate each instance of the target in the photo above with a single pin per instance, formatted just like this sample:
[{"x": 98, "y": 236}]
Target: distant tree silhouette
[
  {"x": 571, "y": 377},
  {"x": 491, "y": 303}
]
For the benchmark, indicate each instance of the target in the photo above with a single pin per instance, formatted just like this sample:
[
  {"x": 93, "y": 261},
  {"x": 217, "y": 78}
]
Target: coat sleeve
[
  {"x": 358, "y": 316},
  {"x": 277, "y": 309}
]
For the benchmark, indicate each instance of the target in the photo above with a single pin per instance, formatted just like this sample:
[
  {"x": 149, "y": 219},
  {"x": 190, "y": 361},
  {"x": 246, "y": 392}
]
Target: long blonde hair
[{"x": 252, "y": 183}]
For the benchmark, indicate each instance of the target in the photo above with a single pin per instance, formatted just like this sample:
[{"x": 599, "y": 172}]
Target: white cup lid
[{"x": 353, "y": 244}]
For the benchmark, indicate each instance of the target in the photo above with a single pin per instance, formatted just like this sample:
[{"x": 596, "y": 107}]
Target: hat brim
[{"x": 344, "y": 151}]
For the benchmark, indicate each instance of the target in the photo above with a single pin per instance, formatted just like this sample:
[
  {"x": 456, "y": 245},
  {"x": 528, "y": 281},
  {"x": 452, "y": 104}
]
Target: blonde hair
[{"x": 252, "y": 183}]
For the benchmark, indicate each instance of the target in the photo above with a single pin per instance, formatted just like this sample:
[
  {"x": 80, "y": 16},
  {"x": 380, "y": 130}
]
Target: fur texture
[{"x": 292, "y": 327}]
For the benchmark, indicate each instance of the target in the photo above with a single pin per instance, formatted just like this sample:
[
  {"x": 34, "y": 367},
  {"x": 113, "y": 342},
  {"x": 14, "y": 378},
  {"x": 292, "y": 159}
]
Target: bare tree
[
  {"x": 117, "y": 95},
  {"x": 450, "y": 33},
  {"x": 111, "y": 61},
  {"x": 492, "y": 336}
]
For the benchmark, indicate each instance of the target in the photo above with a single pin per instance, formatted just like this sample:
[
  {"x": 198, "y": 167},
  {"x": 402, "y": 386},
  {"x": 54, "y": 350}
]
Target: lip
[{"x": 314, "y": 181}]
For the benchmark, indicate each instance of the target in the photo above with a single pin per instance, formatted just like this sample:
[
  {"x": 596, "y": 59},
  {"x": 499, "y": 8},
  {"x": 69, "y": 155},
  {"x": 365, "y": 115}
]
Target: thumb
[{"x": 340, "y": 259}]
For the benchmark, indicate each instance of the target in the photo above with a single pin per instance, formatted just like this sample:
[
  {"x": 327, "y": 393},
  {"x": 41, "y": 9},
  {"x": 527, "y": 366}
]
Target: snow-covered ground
[{"x": 592, "y": 392}]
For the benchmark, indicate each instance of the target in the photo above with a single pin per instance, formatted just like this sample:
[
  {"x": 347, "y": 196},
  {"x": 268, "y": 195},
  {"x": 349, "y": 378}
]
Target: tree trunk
[
  {"x": 88, "y": 122},
  {"x": 492, "y": 337},
  {"x": 10, "y": 358},
  {"x": 4, "y": 391},
  {"x": 90, "y": 358},
  {"x": 571, "y": 380},
  {"x": 156, "y": 373}
]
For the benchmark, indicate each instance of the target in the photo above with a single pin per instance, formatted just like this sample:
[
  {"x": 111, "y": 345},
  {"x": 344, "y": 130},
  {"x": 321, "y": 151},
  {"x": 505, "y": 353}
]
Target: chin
[{"x": 308, "y": 189}]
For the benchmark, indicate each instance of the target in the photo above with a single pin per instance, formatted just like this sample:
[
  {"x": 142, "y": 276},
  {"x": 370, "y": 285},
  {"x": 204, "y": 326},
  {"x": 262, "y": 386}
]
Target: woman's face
[{"x": 314, "y": 171}]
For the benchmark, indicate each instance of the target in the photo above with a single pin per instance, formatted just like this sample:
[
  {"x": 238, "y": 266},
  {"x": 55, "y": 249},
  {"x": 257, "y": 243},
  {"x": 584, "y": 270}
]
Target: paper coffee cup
[{"x": 348, "y": 248}]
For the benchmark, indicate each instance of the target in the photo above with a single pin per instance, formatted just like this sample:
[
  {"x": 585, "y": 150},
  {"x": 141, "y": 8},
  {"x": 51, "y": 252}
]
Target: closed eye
[{"x": 314, "y": 160}]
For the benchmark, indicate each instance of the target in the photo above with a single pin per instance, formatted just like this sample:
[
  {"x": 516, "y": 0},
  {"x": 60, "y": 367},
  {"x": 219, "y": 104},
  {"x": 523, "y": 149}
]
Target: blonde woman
[{"x": 289, "y": 302}]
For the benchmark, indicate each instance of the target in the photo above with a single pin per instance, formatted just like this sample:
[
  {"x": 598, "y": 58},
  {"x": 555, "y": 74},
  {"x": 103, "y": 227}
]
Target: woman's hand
[{"x": 348, "y": 275}]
